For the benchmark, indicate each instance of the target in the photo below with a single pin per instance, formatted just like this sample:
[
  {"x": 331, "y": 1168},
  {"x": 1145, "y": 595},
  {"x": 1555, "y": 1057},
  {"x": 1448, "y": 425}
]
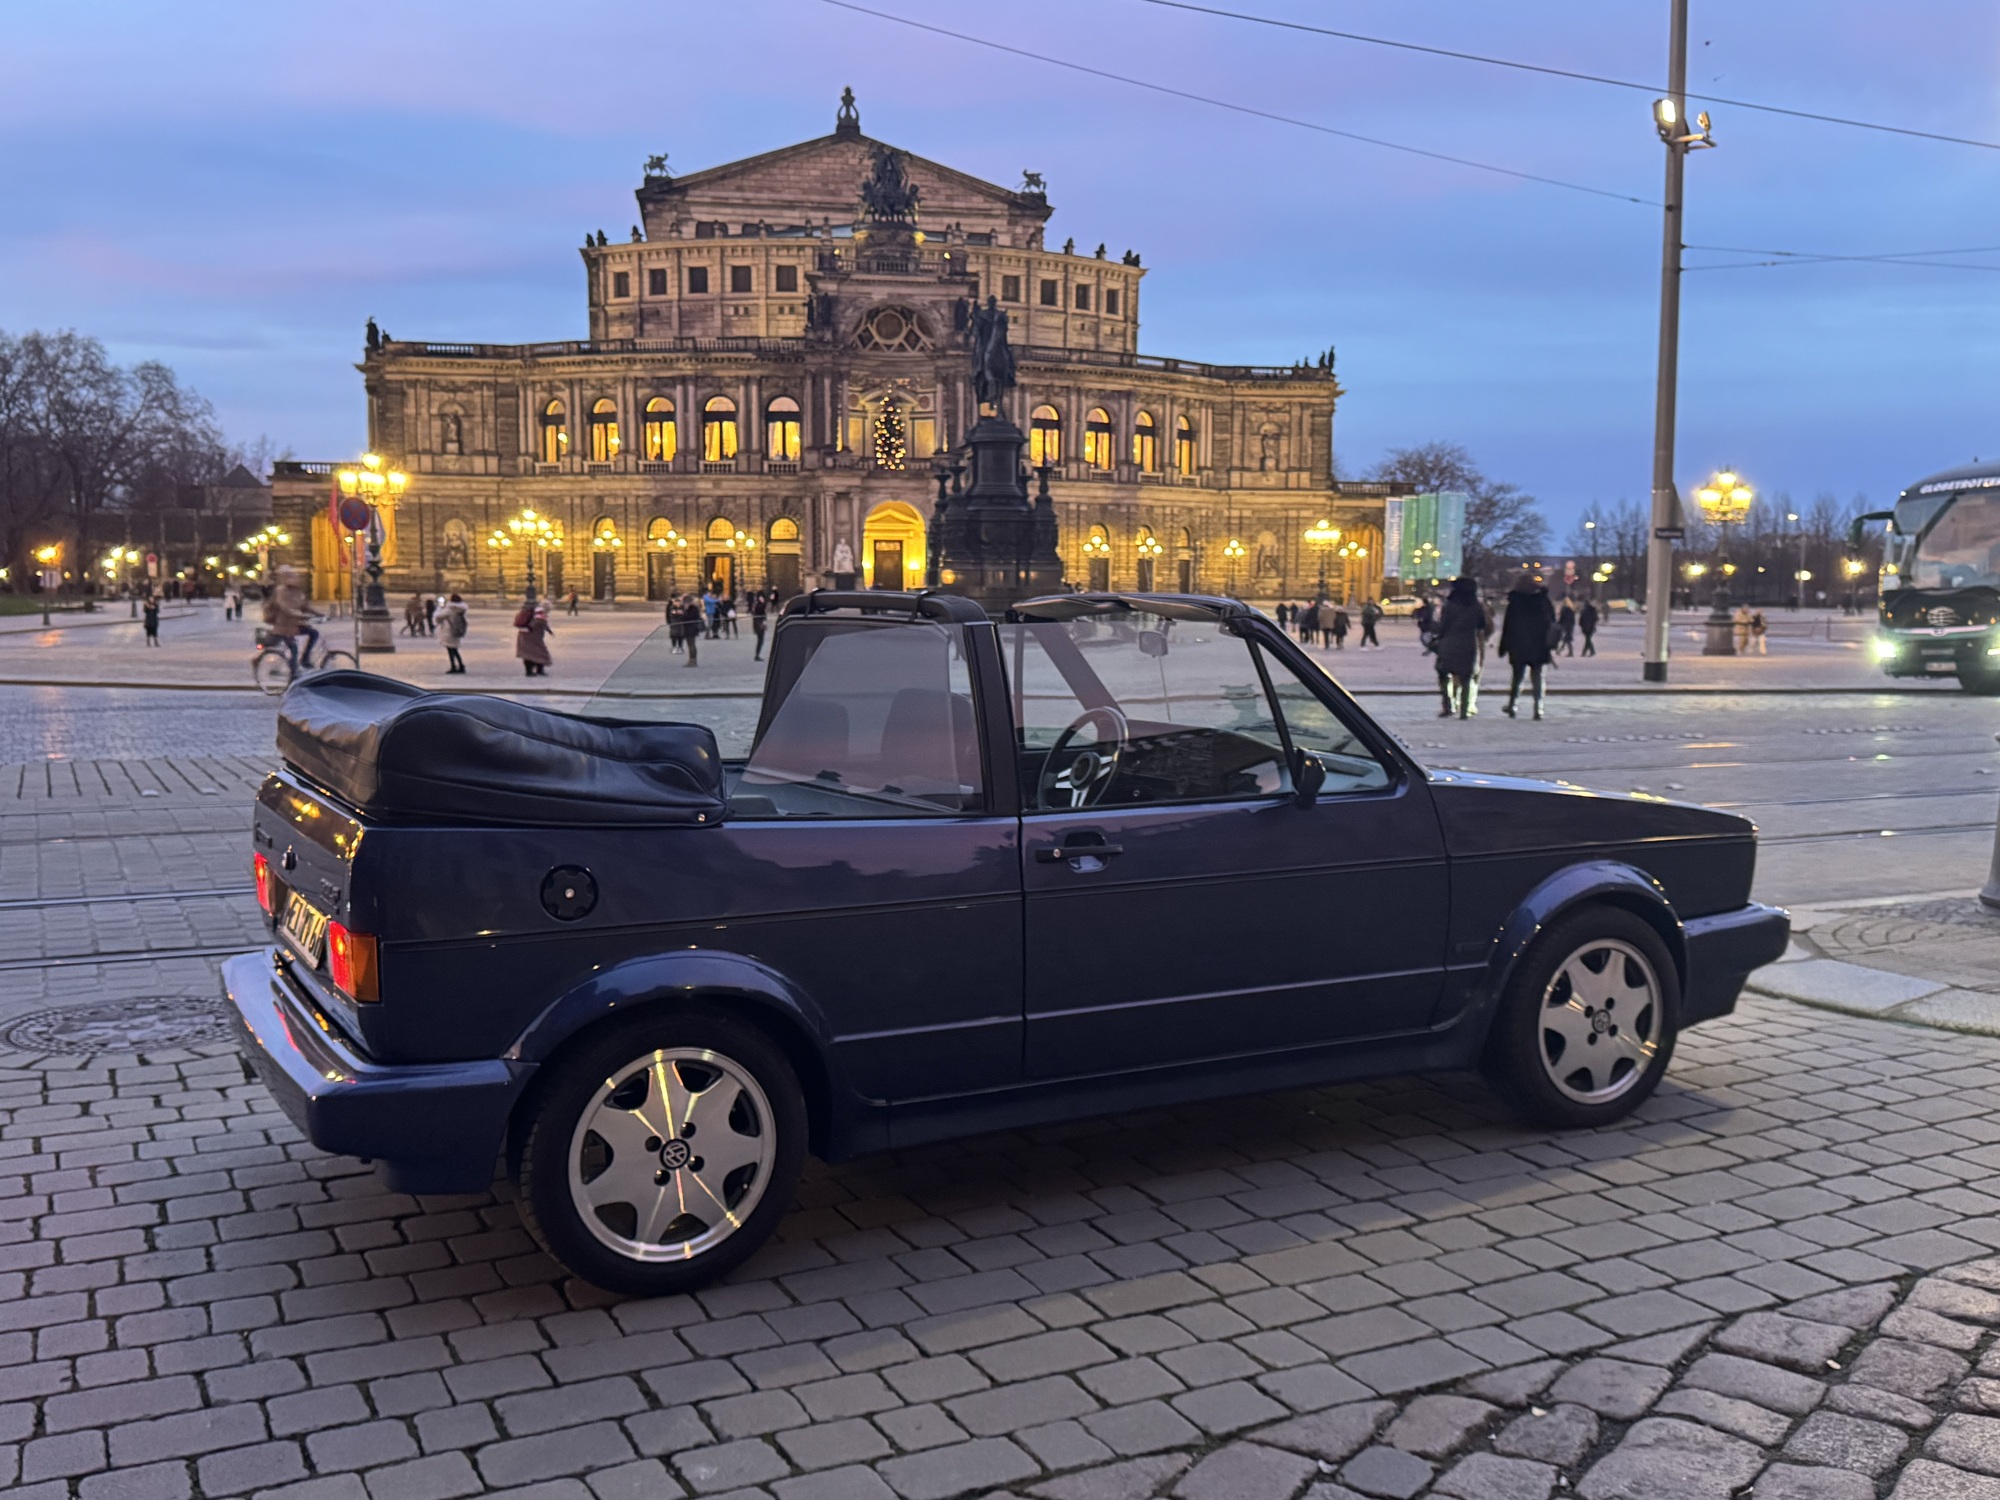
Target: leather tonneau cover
[{"x": 397, "y": 751}]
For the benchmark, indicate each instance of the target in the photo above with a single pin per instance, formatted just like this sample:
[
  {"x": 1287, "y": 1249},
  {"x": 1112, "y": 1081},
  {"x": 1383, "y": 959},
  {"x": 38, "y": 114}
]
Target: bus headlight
[
  {"x": 1887, "y": 648},
  {"x": 1993, "y": 645}
]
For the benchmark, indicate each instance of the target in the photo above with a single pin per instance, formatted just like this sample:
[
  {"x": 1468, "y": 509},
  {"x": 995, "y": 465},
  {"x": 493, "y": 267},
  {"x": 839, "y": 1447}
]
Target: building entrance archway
[{"x": 892, "y": 547}]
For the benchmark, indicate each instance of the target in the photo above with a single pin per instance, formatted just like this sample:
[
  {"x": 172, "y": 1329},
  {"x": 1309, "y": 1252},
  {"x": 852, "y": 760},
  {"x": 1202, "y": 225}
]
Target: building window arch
[
  {"x": 661, "y": 434},
  {"x": 1044, "y": 436},
  {"x": 784, "y": 529},
  {"x": 721, "y": 529},
  {"x": 1184, "y": 446},
  {"x": 1097, "y": 438},
  {"x": 1145, "y": 443},
  {"x": 1148, "y": 548},
  {"x": 603, "y": 430},
  {"x": 781, "y": 429},
  {"x": 1184, "y": 562},
  {"x": 718, "y": 430},
  {"x": 555, "y": 432},
  {"x": 1097, "y": 559}
]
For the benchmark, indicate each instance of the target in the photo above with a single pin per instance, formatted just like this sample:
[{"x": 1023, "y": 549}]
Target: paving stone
[
  {"x": 1246, "y": 1471},
  {"x": 1611, "y": 1387},
  {"x": 1143, "y": 1427},
  {"x": 1434, "y": 1426},
  {"x": 1765, "y": 1385},
  {"x": 1560, "y": 1435},
  {"x": 1925, "y": 1480},
  {"x": 1881, "y": 1406},
  {"x": 1133, "y": 1479},
  {"x": 1855, "y": 1307},
  {"x": 1844, "y": 1442},
  {"x": 1792, "y": 1482},
  {"x": 1331, "y": 1435},
  {"x": 1727, "y": 1414},
  {"x": 1920, "y": 1371},
  {"x": 1516, "y": 1385},
  {"x": 1968, "y": 1442},
  {"x": 834, "y": 1484},
  {"x": 1922, "y": 1326},
  {"x": 1388, "y": 1472},
  {"x": 1661, "y": 1458},
  {"x": 1484, "y": 1476},
  {"x": 984, "y": 1463},
  {"x": 1954, "y": 1299},
  {"x": 1781, "y": 1339}
]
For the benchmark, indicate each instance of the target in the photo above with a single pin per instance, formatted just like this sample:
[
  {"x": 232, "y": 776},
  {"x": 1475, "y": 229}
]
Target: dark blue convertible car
[{"x": 1109, "y": 853}]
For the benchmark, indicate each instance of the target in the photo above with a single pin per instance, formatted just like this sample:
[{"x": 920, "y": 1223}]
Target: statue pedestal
[{"x": 996, "y": 546}]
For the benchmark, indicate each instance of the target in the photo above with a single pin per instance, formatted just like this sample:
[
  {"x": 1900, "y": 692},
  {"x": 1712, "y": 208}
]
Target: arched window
[
  {"x": 661, "y": 434},
  {"x": 1097, "y": 438},
  {"x": 603, "y": 431},
  {"x": 1149, "y": 550},
  {"x": 1044, "y": 437},
  {"x": 1184, "y": 446},
  {"x": 1145, "y": 443},
  {"x": 555, "y": 432},
  {"x": 781, "y": 430},
  {"x": 784, "y": 529},
  {"x": 1097, "y": 559},
  {"x": 721, "y": 529},
  {"x": 1184, "y": 562},
  {"x": 718, "y": 430}
]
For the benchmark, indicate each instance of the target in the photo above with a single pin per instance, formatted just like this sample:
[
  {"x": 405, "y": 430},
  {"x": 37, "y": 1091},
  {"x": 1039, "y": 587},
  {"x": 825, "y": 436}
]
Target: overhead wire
[
  {"x": 1553, "y": 72},
  {"x": 1244, "y": 109}
]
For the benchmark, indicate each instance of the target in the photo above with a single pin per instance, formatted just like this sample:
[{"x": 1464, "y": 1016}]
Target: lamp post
[
  {"x": 1321, "y": 535},
  {"x": 1803, "y": 577},
  {"x": 50, "y": 557},
  {"x": 1235, "y": 551},
  {"x": 672, "y": 544},
  {"x": 1349, "y": 553},
  {"x": 608, "y": 544},
  {"x": 498, "y": 542},
  {"x": 537, "y": 534},
  {"x": 378, "y": 487},
  {"x": 1725, "y": 502}
]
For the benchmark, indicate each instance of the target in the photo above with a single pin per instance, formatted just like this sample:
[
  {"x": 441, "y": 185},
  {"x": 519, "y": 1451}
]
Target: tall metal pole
[{"x": 1666, "y": 517}]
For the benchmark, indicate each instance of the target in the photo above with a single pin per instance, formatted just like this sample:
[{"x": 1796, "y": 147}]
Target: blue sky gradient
[{"x": 234, "y": 188}]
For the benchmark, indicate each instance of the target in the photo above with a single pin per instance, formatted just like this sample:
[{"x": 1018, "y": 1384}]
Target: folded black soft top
[{"x": 394, "y": 750}]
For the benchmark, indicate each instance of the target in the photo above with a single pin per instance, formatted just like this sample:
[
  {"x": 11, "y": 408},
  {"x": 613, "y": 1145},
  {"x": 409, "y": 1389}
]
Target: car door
[{"x": 1190, "y": 908}]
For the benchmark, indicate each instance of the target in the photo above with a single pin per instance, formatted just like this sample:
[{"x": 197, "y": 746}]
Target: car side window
[
  {"x": 875, "y": 721},
  {"x": 1140, "y": 709},
  {"x": 1351, "y": 766}
]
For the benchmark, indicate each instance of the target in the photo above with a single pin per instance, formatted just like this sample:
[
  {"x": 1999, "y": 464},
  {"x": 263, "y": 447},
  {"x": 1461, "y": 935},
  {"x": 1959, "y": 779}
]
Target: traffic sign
[
  {"x": 1670, "y": 533},
  {"x": 354, "y": 514}
]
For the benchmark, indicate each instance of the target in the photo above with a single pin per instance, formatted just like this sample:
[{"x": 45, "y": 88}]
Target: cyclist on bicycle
[{"x": 288, "y": 615}]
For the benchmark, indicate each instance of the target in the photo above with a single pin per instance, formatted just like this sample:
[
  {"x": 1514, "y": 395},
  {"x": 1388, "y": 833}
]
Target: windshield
[
  {"x": 653, "y": 686},
  {"x": 1960, "y": 550}
]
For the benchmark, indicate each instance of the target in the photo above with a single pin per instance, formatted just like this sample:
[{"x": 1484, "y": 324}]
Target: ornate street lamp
[
  {"x": 1235, "y": 551},
  {"x": 1320, "y": 536},
  {"x": 673, "y": 544},
  {"x": 608, "y": 543},
  {"x": 50, "y": 557},
  {"x": 1725, "y": 502},
  {"x": 498, "y": 542},
  {"x": 536, "y": 533},
  {"x": 377, "y": 487}
]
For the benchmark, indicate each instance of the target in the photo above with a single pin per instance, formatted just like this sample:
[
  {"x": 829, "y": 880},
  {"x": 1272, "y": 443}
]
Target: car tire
[
  {"x": 617, "y": 1165},
  {"x": 1587, "y": 1024}
]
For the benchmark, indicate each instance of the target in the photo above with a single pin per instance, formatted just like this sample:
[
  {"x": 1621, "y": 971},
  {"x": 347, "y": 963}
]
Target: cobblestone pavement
[{"x": 1778, "y": 1275}]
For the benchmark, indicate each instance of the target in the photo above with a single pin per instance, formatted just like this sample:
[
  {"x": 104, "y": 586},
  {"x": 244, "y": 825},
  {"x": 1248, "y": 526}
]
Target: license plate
[
  {"x": 1940, "y": 666},
  {"x": 305, "y": 927}
]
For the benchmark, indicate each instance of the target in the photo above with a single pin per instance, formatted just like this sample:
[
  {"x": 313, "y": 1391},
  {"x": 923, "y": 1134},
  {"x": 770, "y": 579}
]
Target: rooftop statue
[{"x": 888, "y": 196}]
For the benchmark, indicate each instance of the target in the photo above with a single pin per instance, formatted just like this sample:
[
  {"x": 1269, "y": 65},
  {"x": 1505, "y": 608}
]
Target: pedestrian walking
[
  {"x": 150, "y": 612},
  {"x": 1759, "y": 632},
  {"x": 674, "y": 630},
  {"x": 1340, "y": 628},
  {"x": 430, "y": 614},
  {"x": 531, "y": 638},
  {"x": 1528, "y": 634},
  {"x": 759, "y": 621},
  {"x": 1287, "y": 616},
  {"x": 1463, "y": 625},
  {"x": 1566, "y": 624},
  {"x": 1586, "y": 622},
  {"x": 711, "y": 610},
  {"x": 412, "y": 613},
  {"x": 450, "y": 626},
  {"x": 1426, "y": 618},
  {"x": 693, "y": 618},
  {"x": 727, "y": 608},
  {"x": 1371, "y": 615},
  {"x": 572, "y": 601}
]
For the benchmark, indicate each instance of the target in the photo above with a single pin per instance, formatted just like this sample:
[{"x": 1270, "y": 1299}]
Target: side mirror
[
  {"x": 1152, "y": 643},
  {"x": 1308, "y": 776}
]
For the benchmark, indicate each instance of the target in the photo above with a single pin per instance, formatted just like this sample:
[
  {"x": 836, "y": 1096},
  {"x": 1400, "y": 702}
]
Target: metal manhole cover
[{"x": 154, "y": 1023}]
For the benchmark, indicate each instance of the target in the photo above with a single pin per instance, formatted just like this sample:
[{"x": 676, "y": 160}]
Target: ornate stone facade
[{"x": 776, "y": 366}]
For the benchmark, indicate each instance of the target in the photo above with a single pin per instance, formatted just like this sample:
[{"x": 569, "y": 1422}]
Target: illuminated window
[
  {"x": 697, "y": 278},
  {"x": 1145, "y": 443},
  {"x": 721, "y": 529},
  {"x": 718, "y": 430},
  {"x": 784, "y": 529},
  {"x": 1051, "y": 294},
  {"x": 787, "y": 278},
  {"x": 621, "y": 283},
  {"x": 603, "y": 431},
  {"x": 1010, "y": 289},
  {"x": 662, "y": 437},
  {"x": 1044, "y": 437},
  {"x": 781, "y": 429},
  {"x": 739, "y": 279},
  {"x": 1184, "y": 445},
  {"x": 1082, "y": 297},
  {"x": 1111, "y": 302},
  {"x": 1097, "y": 438},
  {"x": 555, "y": 432},
  {"x": 656, "y": 283}
]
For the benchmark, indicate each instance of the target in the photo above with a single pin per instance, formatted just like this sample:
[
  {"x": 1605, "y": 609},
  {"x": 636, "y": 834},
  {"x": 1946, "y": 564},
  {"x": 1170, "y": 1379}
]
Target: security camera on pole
[{"x": 1669, "y": 116}]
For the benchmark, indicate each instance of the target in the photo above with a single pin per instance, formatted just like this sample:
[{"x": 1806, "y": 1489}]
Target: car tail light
[
  {"x": 350, "y": 963},
  {"x": 267, "y": 894}
]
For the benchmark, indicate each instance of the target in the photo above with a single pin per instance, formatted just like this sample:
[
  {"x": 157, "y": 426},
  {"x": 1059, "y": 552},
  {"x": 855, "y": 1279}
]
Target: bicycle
[{"x": 276, "y": 663}]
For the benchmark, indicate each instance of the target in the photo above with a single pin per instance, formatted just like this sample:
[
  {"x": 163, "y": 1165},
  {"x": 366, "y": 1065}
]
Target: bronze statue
[
  {"x": 889, "y": 196},
  {"x": 992, "y": 359}
]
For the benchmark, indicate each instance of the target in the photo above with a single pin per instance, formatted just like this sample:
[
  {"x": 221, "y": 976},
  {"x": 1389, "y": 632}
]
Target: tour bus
[{"x": 1941, "y": 579}]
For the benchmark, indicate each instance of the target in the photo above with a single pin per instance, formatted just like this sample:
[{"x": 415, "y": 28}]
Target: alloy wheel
[{"x": 1600, "y": 1020}]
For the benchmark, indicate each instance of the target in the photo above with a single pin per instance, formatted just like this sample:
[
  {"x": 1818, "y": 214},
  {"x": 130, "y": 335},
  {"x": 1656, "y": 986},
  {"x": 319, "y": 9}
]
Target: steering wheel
[{"x": 1076, "y": 777}]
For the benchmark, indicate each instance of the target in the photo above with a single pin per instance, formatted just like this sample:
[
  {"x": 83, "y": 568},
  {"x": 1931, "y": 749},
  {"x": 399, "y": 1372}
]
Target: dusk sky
[{"x": 233, "y": 189}]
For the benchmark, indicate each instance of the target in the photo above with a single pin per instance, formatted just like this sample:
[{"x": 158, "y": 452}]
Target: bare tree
[{"x": 1500, "y": 521}]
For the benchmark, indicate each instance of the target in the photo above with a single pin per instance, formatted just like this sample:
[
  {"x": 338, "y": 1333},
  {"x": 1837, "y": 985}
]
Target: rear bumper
[
  {"x": 1722, "y": 950},
  {"x": 435, "y": 1128}
]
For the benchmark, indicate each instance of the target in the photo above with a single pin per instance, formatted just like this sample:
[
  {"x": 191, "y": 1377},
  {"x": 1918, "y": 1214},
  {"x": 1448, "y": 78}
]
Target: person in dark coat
[
  {"x": 1462, "y": 627},
  {"x": 1566, "y": 625},
  {"x": 1586, "y": 621},
  {"x": 1527, "y": 637},
  {"x": 531, "y": 638},
  {"x": 1339, "y": 628}
]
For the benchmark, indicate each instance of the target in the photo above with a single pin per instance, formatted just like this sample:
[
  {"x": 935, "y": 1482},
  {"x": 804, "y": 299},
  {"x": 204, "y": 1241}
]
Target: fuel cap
[{"x": 568, "y": 892}]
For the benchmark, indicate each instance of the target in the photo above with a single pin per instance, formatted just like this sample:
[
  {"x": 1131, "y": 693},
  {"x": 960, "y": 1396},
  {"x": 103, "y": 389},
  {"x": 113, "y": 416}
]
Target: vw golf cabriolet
[{"x": 1113, "y": 852}]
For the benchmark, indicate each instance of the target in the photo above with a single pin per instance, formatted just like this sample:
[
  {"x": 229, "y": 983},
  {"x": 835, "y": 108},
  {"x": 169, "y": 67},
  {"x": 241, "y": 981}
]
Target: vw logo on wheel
[{"x": 674, "y": 1155}]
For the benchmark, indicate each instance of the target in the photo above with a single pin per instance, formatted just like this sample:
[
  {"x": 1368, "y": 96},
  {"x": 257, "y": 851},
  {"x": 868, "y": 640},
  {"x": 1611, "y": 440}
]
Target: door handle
[{"x": 1053, "y": 854}]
